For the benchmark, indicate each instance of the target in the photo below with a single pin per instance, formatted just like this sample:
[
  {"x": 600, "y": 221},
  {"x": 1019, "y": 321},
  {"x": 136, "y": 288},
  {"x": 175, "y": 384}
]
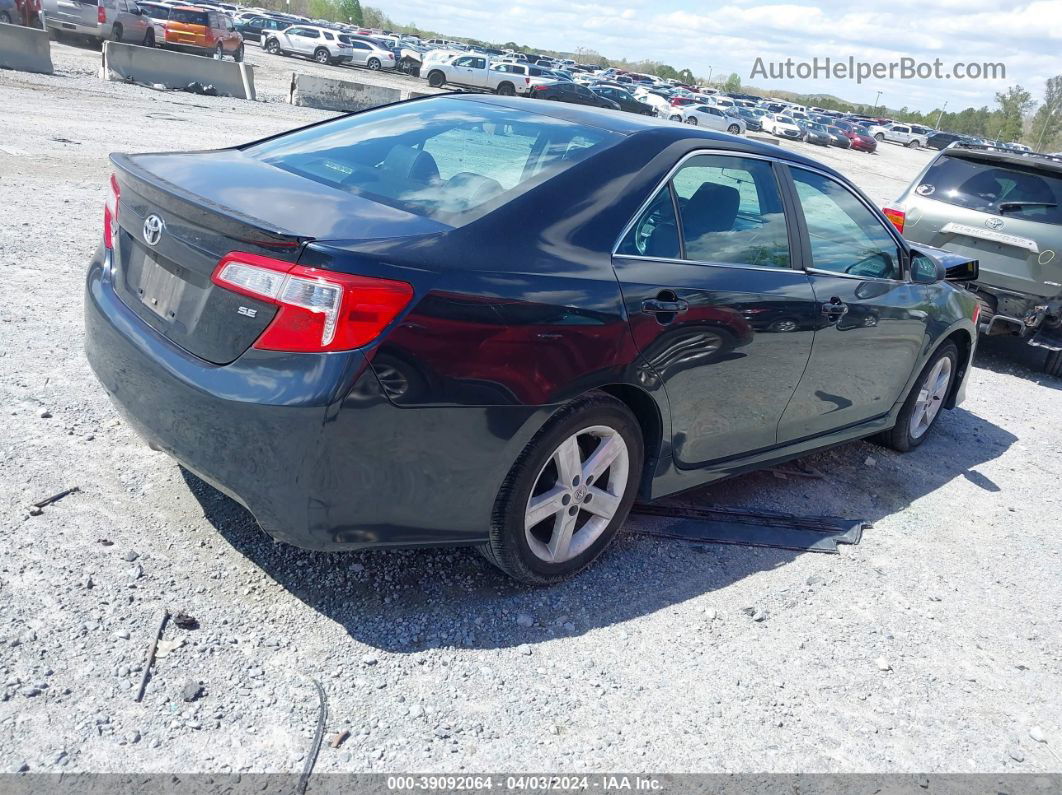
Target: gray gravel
[{"x": 934, "y": 645}]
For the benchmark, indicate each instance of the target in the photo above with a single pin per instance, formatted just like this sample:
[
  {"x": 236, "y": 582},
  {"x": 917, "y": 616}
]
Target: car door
[
  {"x": 873, "y": 318},
  {"x": 719, "y": 310},
  {"x": 714, "y": 118},
  {"x": 899, "y": 133},
  {"x": 360, "y": 53}
]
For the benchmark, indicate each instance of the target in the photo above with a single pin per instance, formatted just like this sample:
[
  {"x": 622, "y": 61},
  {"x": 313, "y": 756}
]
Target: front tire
[
  {"x": 238, "y": 55},
  {"x": 219, "y": 52},
  {"x": 273, "y": 47},
  {"x": 921, "y": 410},
  {"x": 116, "y": 32},
  {"x": 691, "y": 120},
  {"x": 733, "y": 129},
  {"x": 674, "y": 117},
  {"x": 879, "y": 137},
  {"x": 436, "y": 79},
  {"x": 568, "y": 493},
  {"x": 149, "y": 38}
]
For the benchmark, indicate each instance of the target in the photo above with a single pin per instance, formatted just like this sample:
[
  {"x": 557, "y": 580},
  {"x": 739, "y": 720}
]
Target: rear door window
[
  {"x": 731, "y": 212},
  {"x": 189, "y": 17},
  {"x": 1011, "y": 191}
]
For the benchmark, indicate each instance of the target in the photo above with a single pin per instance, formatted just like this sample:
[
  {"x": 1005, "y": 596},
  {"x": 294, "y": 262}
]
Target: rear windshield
[
  {"x": 441, "y": 158},
  {"x": 155, "y": 12},
  {"x": 1012, "y": 191},
  {"x": 187, "y": 17}
]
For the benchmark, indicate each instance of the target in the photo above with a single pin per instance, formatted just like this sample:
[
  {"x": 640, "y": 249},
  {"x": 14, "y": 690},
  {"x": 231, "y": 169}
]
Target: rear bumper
[{"x": 307, "y": 443}]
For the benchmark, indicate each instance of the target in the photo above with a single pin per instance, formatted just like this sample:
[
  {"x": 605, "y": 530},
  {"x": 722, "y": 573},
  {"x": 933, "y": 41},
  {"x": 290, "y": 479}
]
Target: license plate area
[{"x": 160, "y": 286}]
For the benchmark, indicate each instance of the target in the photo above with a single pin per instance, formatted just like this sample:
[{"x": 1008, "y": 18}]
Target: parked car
[
  {"x": 308, "y": 41},
  {"x": 624, "y": 99},
  {"x": 244, "y": 304},
  {"x": 753, "y": 119},
  {"x": 1005, "y": 208},
  {"x": 941, "y": 140},
  {"x": 157, "y": 14},
  {"x": 838, "y": 137},
  {"x": 114, "y": 20},
  {"x": 783, "y": 126},
  {"x": 375, "y": 55},
  {"x": 816, "y": 133},
  {"x": 202, "y": 31},
  {"x": 860, "y": 138},
  {"x": 906, "y": 134},
  {"x": 518, "y": 79},
  {"x": 561, "y": 91},
  {"x": 713, "y": 118},
  {"x": 252, "y": 28},
  {"x": 476, "y": 71}
]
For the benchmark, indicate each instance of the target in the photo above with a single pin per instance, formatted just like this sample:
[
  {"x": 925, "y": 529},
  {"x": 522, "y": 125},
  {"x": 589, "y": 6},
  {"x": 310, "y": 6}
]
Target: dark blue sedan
[{"x": 497, "y": 322}]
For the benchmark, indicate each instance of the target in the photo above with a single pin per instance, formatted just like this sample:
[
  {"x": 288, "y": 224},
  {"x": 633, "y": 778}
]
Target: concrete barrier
[
  {"x": 347, "y": 96},
  {"x": 151, "y": 66},
  {"x": 25, "y": 49}
]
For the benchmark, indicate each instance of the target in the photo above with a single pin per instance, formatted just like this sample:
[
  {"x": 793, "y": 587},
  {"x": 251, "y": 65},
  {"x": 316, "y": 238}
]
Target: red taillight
[
  {"x": 110, "y": 214},
  {"x": 896, "y": 216},
  {"x": 319, "y": 310},
  {"x": 541, "y": 87},
  {"x": 101, "y": 14},
  {"x": 977, "y": 313}
]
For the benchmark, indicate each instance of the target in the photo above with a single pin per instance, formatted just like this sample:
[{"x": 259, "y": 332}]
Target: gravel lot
[{"x": 932, "y": 646}]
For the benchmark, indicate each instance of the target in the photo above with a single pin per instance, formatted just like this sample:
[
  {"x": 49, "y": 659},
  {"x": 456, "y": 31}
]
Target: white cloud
[{"x": 1025, "y": 37}]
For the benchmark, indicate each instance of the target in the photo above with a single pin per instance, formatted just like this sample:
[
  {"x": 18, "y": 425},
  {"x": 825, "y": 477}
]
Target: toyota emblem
[
  {"x": 153, "y": 226},
  {"x": 994, "y": 223}
]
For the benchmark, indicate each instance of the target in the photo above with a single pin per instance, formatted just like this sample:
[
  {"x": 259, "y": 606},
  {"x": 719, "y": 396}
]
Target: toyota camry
[{"x": 496, "y": 322}]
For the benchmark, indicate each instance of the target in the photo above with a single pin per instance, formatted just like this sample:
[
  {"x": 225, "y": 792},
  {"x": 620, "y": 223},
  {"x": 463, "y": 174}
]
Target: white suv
[{"x": 321, "y": 44}]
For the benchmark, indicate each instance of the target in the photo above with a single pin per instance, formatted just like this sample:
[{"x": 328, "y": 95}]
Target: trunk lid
[{"x": 213, "y": 203}]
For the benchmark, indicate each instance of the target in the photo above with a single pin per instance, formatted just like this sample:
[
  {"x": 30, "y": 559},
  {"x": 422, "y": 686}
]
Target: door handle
[
  {"x": 657, "y": 306},
  {"x": 835, "y": 309}
]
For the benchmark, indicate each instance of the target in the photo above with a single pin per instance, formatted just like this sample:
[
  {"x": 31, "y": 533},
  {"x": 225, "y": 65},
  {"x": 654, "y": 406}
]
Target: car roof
[{"x": 1013, "y": 157}]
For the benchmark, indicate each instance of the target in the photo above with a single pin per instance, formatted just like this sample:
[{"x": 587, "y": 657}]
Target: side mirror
[{"x": 930, "y": 265}]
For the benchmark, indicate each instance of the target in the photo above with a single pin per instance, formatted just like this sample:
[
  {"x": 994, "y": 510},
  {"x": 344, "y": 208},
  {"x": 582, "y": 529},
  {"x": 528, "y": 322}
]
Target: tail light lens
[
  {"x": 541, "y": 87},
  {"x": 110, "y": 214},
  {"x": 319, "y": 310},
  {"x": 896, "y": 216},
  {"x": 977, "y": 313},
  {"x": 101, "y": 14}
]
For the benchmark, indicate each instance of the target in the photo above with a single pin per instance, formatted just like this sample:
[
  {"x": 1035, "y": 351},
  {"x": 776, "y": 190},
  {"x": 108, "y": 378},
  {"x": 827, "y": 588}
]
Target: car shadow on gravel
[
  {"x": 411, "y": 600},
  {"x": 1009, "y": 355}
]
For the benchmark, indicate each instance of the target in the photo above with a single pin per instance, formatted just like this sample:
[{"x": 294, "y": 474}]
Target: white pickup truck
[
  {"x": 476, "y": 72},
  {"x": 907, "y": 134}
]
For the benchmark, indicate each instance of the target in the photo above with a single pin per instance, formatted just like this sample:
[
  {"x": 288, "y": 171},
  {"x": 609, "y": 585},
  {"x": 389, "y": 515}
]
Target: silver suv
[
  {"x": 1005, "y": 209},
  {"x": 117, "y": 20}
]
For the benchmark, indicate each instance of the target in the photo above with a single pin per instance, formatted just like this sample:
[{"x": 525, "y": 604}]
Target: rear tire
[
  {"x": 1053, "y": 364},
  {"x": 374, "y": 64},
  {"x": 5, "y": 17},
  {"x": 149, "y": 38},
  {"x": 506, "y": 89},
  {"x": 922, "y": 408},
  {"x": 321, "y": 55},
  {"x": 219, "y": 52},
  {"x": 436, "y": 79},
  {"x": 674, "y": 117},
  {"x": 238, "y": 55},
  {"x": 116, "y": 32},
  {"x": 572, "y": 529}
]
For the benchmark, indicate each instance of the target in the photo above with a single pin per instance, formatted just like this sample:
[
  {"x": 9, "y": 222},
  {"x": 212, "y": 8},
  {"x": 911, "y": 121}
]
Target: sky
[{"x": 1026, "y": 37}]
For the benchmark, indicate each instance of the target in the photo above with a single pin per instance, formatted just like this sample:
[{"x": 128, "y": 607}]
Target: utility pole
[
  {"x": 1047, "y": 121},
  {"x": 709, "y": 75},
  {"x": 941, "y": 114},
  {"x": 875, "y": 98}
]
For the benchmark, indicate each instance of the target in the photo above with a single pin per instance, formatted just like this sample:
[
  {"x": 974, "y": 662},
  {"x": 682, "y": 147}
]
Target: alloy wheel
[
  {"x": 576, "y": 494},
  {"x": 931, "y": 394}
]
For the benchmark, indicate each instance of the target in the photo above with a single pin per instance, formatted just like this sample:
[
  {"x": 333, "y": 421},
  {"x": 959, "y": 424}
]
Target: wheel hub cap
[{"x": 577, "y": 493}]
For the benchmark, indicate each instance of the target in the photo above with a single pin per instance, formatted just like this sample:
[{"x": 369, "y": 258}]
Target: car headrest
[
  {"x": 468, "y": 189},
  {"x": 713, "y": 208},
  {"x": 406, "y": 162}
]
